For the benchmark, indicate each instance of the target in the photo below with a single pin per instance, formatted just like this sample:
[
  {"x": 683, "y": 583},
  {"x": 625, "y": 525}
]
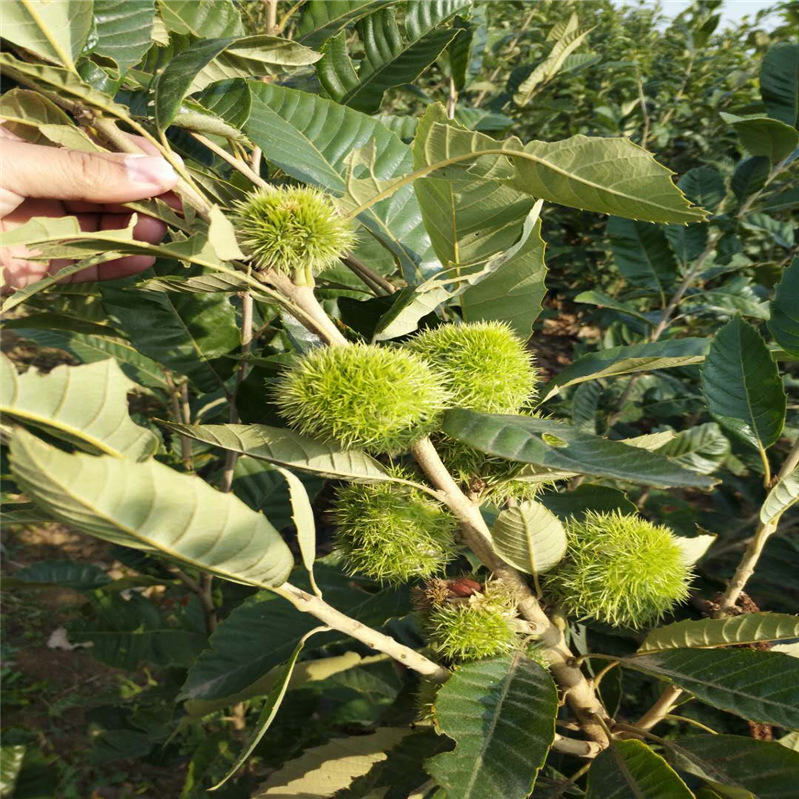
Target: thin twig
[
  {"x": 660, "y": 709},
  {"x": 369, "y": 276},
  {"x": 236, "y": 163},
  {"x": 202, "y": 590},
  {"x": 178, "y": 415}
]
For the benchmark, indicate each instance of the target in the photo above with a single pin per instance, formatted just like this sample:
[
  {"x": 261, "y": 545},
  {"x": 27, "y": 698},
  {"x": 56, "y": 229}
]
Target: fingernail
[{"x": 151, "y": 170}]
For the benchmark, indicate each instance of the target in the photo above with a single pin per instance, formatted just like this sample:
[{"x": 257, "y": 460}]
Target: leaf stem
[{"x": 236, "y": 163}]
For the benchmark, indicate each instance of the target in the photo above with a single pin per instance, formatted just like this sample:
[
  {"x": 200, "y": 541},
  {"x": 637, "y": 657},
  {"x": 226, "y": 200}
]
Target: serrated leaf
[
  {"x": 703, "y": 185},
  {"x": 269, "y": 709},
  {"x": 294, "y": 131},
  {"x": 642, "y": 254},
  {"x": 322, "y": 19},
  {"x": 124, "y": 30},
  {"x": 779, "y": 82},
  {"x": 287, "y": 448},
  {"x": 55, "y": 31},
  {"x": 746, "y": 629},
  {"x": 742, "y": 386},
  {"x": 784, "y": 322},
  {"x": 750, "y": 176},
  {"x": 203, "y": 19},
  {"x": 325, "y": 770},
  {"x": 764, "y": 768},
  {"x": 587, "y": 496},
  {"x": 783, "y": 494},
  {"x": 529, "y": 537},
  {"x": 759, "y": 686},
  {"x": 631, "y": 770},
  {"x": 629, "y": 359},
  {"x": 763, "y": 136},
  {"x": 160, "y": 509},
  {"x": 702, "y": 448},
  {"x": 501, "y": 714},
  {"x": 390, "y": 59},
  {"x": 85, "y": 405},
  {"x": 558, "y": 446},
  {"x": 611, "y": 176}
]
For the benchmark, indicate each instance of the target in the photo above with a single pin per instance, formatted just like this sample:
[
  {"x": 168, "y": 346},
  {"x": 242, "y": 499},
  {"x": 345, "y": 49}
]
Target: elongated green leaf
[
  {"x": 611, "y": 176},
  {"x": 184, "y": 333},
  {"x": 529, "y": 537},
  {"x": 558, "y": 446},
  {"x": 784, "y": 322},
  {"x": 783, "y": 494},
  {"x": 322, "y": 19},
  {"x": 765, "y": 768},
  {"x": 631, "y": 770},
  {"x": 606, "y": 301},
  {"x": 704, "y": 633},
  {"x": 287, "y": 448},
  {"x": 742, "y": 385},
  {"x": 325, "y": 770},
  {"x": 779, "y": 82},
  {"x": 750, "y": 176},
  {"x": 269, "y": 709},
  {"x": 642, "y": 254},
  {"x": 124, "y": 30},
  {"x": 390, "y": 59},
  {"x": 763, "y": 136},
  {"x": 629, "y": 359},
  {"x": 694, "y": 548},
  {"x": 294, "y": 131},
  {"x": 85, "y": 405},
  {"x": 501, "y": 714},
  {"x": 29, "y": 114},
  {"x": 702, "y": 448},
  {"x": 21, "y": 513},
  {"x": 55, "y": 31},
  {"x": 302, "y": 514},
  {"x": 759, "y": 686},
  {"x": 703, "y": 185},
  {"x": 203, "y": 19},
  {"x": 587, "y": 496},
  {"x": 63, "y": 573},
  {"x": 262, "y": 632},
  {"x": 11, "y": 758},
  {"x": 159, "y": 509}
]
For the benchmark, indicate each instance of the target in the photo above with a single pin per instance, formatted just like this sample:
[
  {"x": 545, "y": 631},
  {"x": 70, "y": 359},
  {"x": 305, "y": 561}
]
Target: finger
[{"x": 35, "y": 171}]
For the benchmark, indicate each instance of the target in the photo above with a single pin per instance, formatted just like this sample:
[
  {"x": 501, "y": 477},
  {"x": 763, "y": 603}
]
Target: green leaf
[
  {"x": 322, "y": 19},
  {"x": 609, "y": 176},
  {"x": 779, "y": 83},
  {"x": 704, "y": 633},
  {"x": 631, "y": 770},
  {"x": 184, "y": 333},
  {"x": 61, "y": 573},
  {"x": 284, "y": 447},
  {"x": 124, "y": 30},
  {"x": 237, "y": 656},
  {"x": 687, "y": 241},
  {"x": 160, "y": 509},
  {"x": 702, "y": 448},
  {"x": 21, "y": 513},
  {"x": 784, "y": 201},
  {"x": 269, "y": 709},
  {"x": 587, "y": 496},
  {"x": 695, "y": 547},
  {"x": 55, "y": 31},
  {"x": 310, "y": 138},
  {"x": 603, "y": 300},
  {"x": 529, "y": 537},
  {"x": 759, "y": 686},
  {"x": 32, "y": 116},
  {"x": 303, "y": 517},
  {"x": 203, "y": 19},
  {"x": 783, "y": 494},
  {"x": 325, "y": 770},
  {"x": 390, "y": 59},
  {"x": 558, "y": 446},
  {"x": 784, "y": 322},
  {"x": 763, "y": 136},
  {"x": 501, "y": 714},
  {"x": 85, "y": 405},
  {"x": 765, "y": 768},
  {"x": 642, "y": 254},
  {"x": 703, "y": 185},
  {"x": 11, "y": 758},
  {"x": 629, "y": 359},
  {"x": 742, "y": 386},
  {"x": 750, "y": 176}
]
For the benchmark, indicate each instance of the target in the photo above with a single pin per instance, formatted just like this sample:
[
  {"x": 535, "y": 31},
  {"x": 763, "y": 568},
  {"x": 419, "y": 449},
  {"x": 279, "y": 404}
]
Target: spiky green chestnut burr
[
  {"x": 361, "y": 396},
  {"x": 295, "y": 230},
  {"x": 476, "y": 627},
  {"x": 391, "y": 532},
  {"x": 484, "y": 365},
  {"x": 619, "y": 569}
]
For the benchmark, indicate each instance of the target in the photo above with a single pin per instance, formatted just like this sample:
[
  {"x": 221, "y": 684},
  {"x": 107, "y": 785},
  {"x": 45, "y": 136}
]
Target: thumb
[{"x": 37, "y": 171}]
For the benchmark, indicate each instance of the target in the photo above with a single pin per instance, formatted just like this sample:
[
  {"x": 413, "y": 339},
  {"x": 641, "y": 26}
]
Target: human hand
[{"x": 36, "y": 180}]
